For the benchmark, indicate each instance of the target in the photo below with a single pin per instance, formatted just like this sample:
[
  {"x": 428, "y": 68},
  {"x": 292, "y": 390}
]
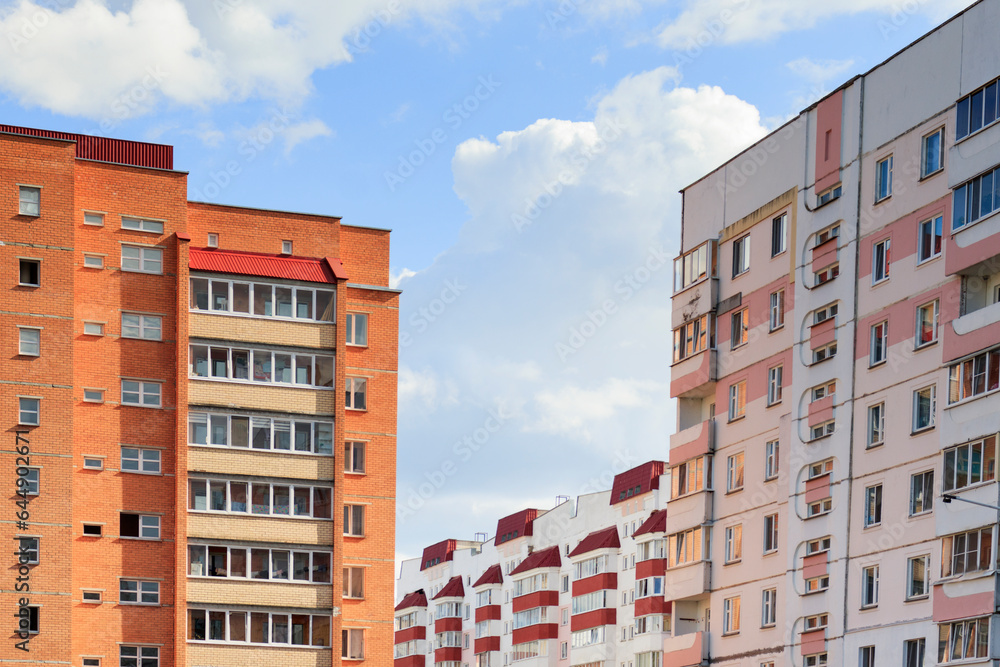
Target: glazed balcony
[
  {"x": 685, "y": 650},
  {"x": 695, "y": 376},
  {"x": 972, "y": 332},
  {"x": 690, "y": 511},
  {"x": 688, "y": 582},
  {"x": 693, "y": 441}
]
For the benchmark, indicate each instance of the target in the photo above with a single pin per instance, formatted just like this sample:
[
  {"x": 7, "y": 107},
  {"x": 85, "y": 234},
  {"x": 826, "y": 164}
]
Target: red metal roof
[
  {"x": 539, "y": 559},
  {"x": 414, "y": 599},
  {"x": 105, "y": 149},
  {"x": 606, "y": 538},
  {"x": 492, "y": 575},
  {"x": 437, "y": 553},
  {"x": 453, "y": 589},
  {"x": 656, "y": 523},
  {"x": 270, "y": 266},
  {"x": 514, "y": 526},
  {"x": 637, "y": 481}
]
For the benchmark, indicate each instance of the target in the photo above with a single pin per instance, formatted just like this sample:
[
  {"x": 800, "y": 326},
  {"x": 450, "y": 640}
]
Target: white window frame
[
  {"x": 23, "y": 261},
  {"x": 774, "y": 384},
  {"x": 878, "y": 341},
  {"x": 779, "y": 235},
  {"x": 142, "y": 327},
  {"x": 147, "y": 461},
  {"x": 147, "y": 257},
  {"x": 352, "y": 329},
  {"x": 768, "y": 607},
  {"x": 737, "y": 400},
  {"x": 350, "y": 574},
  {"x": 26, "y": 347},
  {"x": 734, "y": 543},
  {"x": 351, "y": 529},
  {"x": 931, "y": 391},
  {"x": 819, "y": 508},
  {"x": 351, "y": 393},
  {"x": 150, "y": 527},
  {"x": 286, "y": 247},
  {"x": 212, "y": 241},
  {"x": 735, "y": 472},
  {"x": 873, "y": 505},
  {"x": 29, "y": 200},
  {"x": 936, "y": 223},
  {"x": 925, "y": 479},
  {"x": 772, "y": 454},
  {"x": 924, "y": 152},
  {"x": 93, "y": 328},
  {"x": 777, "y": 309},
  {"x": 25, "y": 414},
  {"x": 152, "y": 659},
  {"x": 147, "y": 592},
  {"x": 933, "y": 307},
  {"x": 911, "y": 593},
  {"x": 351, "y": 448},
  {"x": 881, "y": 261},
  {"x": 875, "y": 426},
  {"x": 731, "y": 616},
  {"x": 142, "y": 225},
  {"x": 740, "y": 328},
  {"x": 93, "y": 260},
  {"x": 771, "y": 542},
  {"x": 982, "y": 448},
  {"x": 143, "y": 390},
  {"x": 883, "y": 178},
  {"x": 741, "y": 255},
  {"x": 869, "y": 586},
  {"x": 93, "y": 218}
]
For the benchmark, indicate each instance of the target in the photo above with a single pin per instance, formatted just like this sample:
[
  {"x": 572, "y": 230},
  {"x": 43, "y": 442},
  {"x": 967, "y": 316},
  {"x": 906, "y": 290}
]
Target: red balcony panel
[
  {"x": 820, "y": 411},
  {"x": 815, "y": 565},
  {"x": 450, "y": 654},
  {"x": 409, "y": 634},
  {"x": 598, "y": 582},
  {"x": 693, "y": 441},
  {"x": 823, "y": 333},
  {"x": 829, "y": 126},
  {"x": 536, "y": 599},
  {"x": 817, "y": 489},
  {"x": 410, "y": 661},
  {"x": 484, "y": 644},
  {"x": 685, "y": 650},
  {"x": 535, "y": 633},
  {"x": 701, "y": 369},
  {"x": 957, "y": 345},
  {"x": 961, "y": 252},
  {"x": 654, "y": 567},
  {"x": 824, "y": 255},
  {"x": 488, "y": 613},
  {"x": 813, "y": 642},
  {"x": 447, "y": 625},
  {"x": 593, "y": 619},
  {"x": 966, "y": 606},
  {"x": 652, "y": 605}
]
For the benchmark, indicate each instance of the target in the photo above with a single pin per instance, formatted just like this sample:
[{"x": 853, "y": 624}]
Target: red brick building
[{"x": 200, "y": 412}]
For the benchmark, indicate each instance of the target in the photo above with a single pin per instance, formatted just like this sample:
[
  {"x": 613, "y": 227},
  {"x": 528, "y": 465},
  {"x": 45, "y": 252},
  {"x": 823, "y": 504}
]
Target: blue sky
[{"x": 527, "y": 156}]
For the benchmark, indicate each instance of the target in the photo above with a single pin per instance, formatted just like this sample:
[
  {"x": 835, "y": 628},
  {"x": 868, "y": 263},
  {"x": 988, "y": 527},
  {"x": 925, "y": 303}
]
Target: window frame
[
  {"x": 251, "y": 507},
  {"x": 735, "y": 472},
  {"x": 25, "y": 204},
  {"x": 771, "y": 536},
  {"x": 89, "y": 259},
  {"x": 923, "y": 503},
  {"x": 775, "y": 380},
  {"x": 772, "y": 459},
  {"x": 256, "y": 357},
  {"x": 321, "y": 433},
  {"x": 910, "y": 593},
  {"x": 320, "y": 570},
  {"x": 142, "y": 259},
  {"x": 932, "y": 409},
  {"x": 142, "y": 390},
  {"x": 733, "y": 542},
  {"x": 924, "y": 141},
  {"x": 878, "y": 341},
  {"x": 141, "y": 460},
  {"x": 737, "y": 400},
  {"x": 261, "y": 296},
  {"x": 22, "y": 412},
  {"x": 140, "y": 584},
  {"x": 776, "y": 312},
  {"x": 731, "y": 615},
  {"x": 937, "y": 239},
  {"x": 881, "y": 260},
  {"x": 883, "y": 178},
  {"x": 875, "y": 433},
  {"x": 350, "y": 527},
  {"x": 351, "y": 328},
  {"x": 35, "y": 345},
  {"x": 146, "y": 324},
  {"x": 142, "y": 224},
  {"x": 769, "y": 607},
  {"x": 351, "y": 448},
  {"x": 141, "y": 520},
  {"x": 986, "y": 464},
  {"x": 739, "y": 334},
  {"x": 779, "y": 235},
  {"x": 351, "y": 393},
  {"x": 869, "y": 586},
  {"x": 22, "y": 263},
  {"x": 873, "y": 500},
  {"x": 919, "y": 327},
  {"x": 741, "y": 255},
  {"x": 37, "y": 550}
]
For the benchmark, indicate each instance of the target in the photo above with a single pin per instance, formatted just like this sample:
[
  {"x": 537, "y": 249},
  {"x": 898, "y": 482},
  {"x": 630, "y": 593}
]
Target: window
[
  {"x": 777, "y": 311},
  {"x": 260, "y": 498},
  {"x": 247, "y": 299},
  {"x": 734, "y": 543},
  {"x": 770, "y": 533},
  {"x": 924, "y": 407},
  {"x": 93, "y": 261},
  {"x": 356, "y": 393},
  {"x": 740, "y": 328},
  {"x": 917, "y": 580},
  {"x": 880, "y": 261},
  {"x": 819, "y": 508},
  {"x": 822, "y": 430},
  {"x": 90, "y": 597},
  {"x": 143, "y": 394},
  {"x": 354, "y": 520},
  {"x": 564, "y": 650},
  {"x": 741, "y": 255},
  {"x": 734, "y": 476},
  {"x": 286, "y": 247},
  {"x": 816, "y": 622},
  {"x": 731, "y": 615},
  {"x": 828, "y": 195},
  {"x": 30, "y": 271},
  {"x": 930, "y": 154},
  {"x": 93, "y": 328},
  {"x": 142, "y": 259},
  {"x": 866, "y": 656},
  {"x": 974, "y": 376},
  {"x": 913, "y": 652},
  {"x": 93, "y": 463},
  {"x": 964, "y": 640},
  {"x": 260, "y": 366},
  {"x": 354, "y": 582},
  {"x": 141, "y": 460},
  {"x": 876, "y": 424},
  {"x": 827, "y": 234},
  {"x": 930, "y": 239},
  {"x": 686, "y": 547},
  {"x": 820, "y": 468},
  {"x": 971, "y": 551},
  {"x": 869, "y": 586},
  {"x": 29, "y": 200},
  {"x": 825, "y": 313},
  {"x": 692, "y": 267},
  {"x": 927, "y": 317},
  {"x": 817, "y": 546},
  {"x": 140, "y": 656},
  {"x": 29, "y": 341},
  {"x": 691, "y": 476},
  {"x": 261, "y": 564},
  {"x": 815, "y": 660},
  {"x": 141, "y": 225},
  {"x": 30, "y": 549},
  {"x": 827, "y": 274},
  {"x": 28, "y": 411},
  {"x": 883, "y": 178},
  {"x": 30, "y": 483},
  {"x": 921, "y": 492},
  {"x": 825, "y": 352},
  {"x": 976, "y": 111},
  {"x": 768, "y": 607},
  {"x": 779, "y": 235},
  {"x": 143, "y": 526},
  {"x": 591, "y": 567},
  {"x": 133, "y": 591},
  {"x": 873, "y": 505},
  {"x": 969, "y": 464},
  {"x": 93, "y": 529},
  {"x": 975, "y": 199},
  {"x": 694, "y": 337},
  {"x": 354, "y": 457},
  {"x": 827, "y": 390},
  {"x": 93, "y": 219},
  {"x": 737, "y": 400},
  {"x": 213, "y": 241},
  {"x": 879, "y": 350},
  {"x": 357, "y": 329},
  {"x": 242, "y": 431},
  {"x": 771, "y": 460},
  {"x": 149, "y": 327},
  {"x": 264, "y": 628},
  {"x": 774, "y": 385}
]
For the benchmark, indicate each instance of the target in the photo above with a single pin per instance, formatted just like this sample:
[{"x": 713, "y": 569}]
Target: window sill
[
  {"x": 353, "y": 472},
  {"x": 883, "y": 199},
  {"x": 140, "y": 539},
  {"x": 929, "y": 260},
  {"x": 921, "y": 515},
  {"x": 921, "y": 431},
  {"x": 931, "y": 174},
  {"x": 868, "y": 607},
  {"x": 140, "y": 405},
  {"x": 733, "y": 491},
  {"x": 874, "y": 445},
  {"x": 773, "y": 478},
  {"x": 775, "y": 404},
  {"x": 924, "y": 346},
  {"x": 872, "y": 525},
  {"x": 769, "y": 626},
  {"x": 772, "y": 552},
  {"x": 359, "y": 345},
  {"x": 918, "y": 598},
  {"x": 736, "y": 419},
  {"x": 880, "y": 282},
  {"x": 28, "y": 285},
  {"x": 877, "y": 364}
]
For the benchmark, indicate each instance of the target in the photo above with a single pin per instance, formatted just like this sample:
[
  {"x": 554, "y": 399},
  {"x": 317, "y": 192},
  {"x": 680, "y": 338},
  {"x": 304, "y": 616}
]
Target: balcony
[
  {"x": 825, "y": 254},
  {"x": 821, "y": 410},
  {"x": 964, "y": 598},
  {"x": 693, "y": 441},
  {"x": 689, "y": 511},
  {"x": 646, "y": 642},
  {"x": 688, "y": 581},
  {"x": 692, "y": 377},
  {"x": 685, "y": 650},
  {"x": 596, "y": 653},
  {"x": 972, "y": 332}
]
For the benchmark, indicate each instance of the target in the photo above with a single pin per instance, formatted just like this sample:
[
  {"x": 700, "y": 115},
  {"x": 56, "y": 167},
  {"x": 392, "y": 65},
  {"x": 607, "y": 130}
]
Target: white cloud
[
  {"x": 299, "y": 133},
  {"x": 601, "y": 57},
  {"x": 400, "y": 113},
  {"x": 397, "y": 278},
  {"x": 572, "y": 410},
  {"x": 820, "y": 72}
]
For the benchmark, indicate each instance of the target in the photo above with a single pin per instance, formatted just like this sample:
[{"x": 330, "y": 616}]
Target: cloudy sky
[{"x": 527, "y": 155}]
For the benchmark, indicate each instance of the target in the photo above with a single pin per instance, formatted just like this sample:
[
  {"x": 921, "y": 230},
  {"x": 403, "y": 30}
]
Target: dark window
[
  {"x": 129, "y": 525},
  {"x": 30, "y": 272},
  {"x": 92, "y": 530}
]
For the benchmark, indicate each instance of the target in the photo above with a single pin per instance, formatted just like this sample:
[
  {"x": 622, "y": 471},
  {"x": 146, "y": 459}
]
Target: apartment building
[
  {"x": 201, "y": 412},
  {"x": 836, "y": 340},
  {"x": 579, "y": 584}
]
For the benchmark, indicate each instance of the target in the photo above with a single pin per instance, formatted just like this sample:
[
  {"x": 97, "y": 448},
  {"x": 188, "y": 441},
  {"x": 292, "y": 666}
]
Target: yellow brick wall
[
  {"x": 234, "y": 461},
  {"x": 263, "y": 397},
  {"x": 259, "y": 656},
  {"x": 253, "y": 529},
  {"x": 263, "y": 330},
  {"x": 235, "y": 592}
]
